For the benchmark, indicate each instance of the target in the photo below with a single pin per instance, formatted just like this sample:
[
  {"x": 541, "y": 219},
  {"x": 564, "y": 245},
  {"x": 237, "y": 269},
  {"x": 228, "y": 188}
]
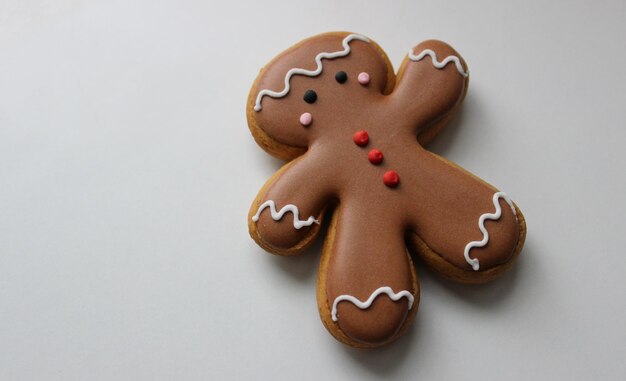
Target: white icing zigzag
[
  {"x": 308, "y": 73},
  {"x": 481, "y": 225},
  {"x": 363, "y": 305},
  {"x": 277, "y": 215},
  {"x": 439, "y": 64}
]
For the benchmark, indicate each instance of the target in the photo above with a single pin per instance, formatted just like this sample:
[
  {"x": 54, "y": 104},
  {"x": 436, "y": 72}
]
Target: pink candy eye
[
  {"x": 363, "y": 78},
  {"x": 306, "y": 119}
]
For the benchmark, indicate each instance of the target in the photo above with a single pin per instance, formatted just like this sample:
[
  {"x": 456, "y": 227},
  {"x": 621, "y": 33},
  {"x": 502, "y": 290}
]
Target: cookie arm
[
  {"x": 464, "y": 228},
  {"x": 432, "y": 81},
  {"x": 285, "y": 217}
]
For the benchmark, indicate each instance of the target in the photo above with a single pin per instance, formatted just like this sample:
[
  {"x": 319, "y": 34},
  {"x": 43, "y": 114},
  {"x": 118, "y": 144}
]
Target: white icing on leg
[
  {"x": 439, "y": 64},
  {"x": 308, "y": 73},
  {"x": 277, "y": 215},
  {"x": 363, "y": 305},
  {"x": 481, "y": 225}
]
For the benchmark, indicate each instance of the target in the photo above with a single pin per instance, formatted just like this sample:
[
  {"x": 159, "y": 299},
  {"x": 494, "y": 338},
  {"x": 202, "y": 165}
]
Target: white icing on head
[
  {"x": 439, "y": 64},
  {"x": 363, "y": 305},
  {"x": 308, "y": 73},
  {"x": 481, "y": 225},
  {"x": 277, "y": 215}
]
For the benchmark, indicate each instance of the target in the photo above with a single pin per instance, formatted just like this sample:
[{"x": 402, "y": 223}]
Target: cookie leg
[
  {"x": 368, "y": 291},
  {"x": 468, "y": 231}
]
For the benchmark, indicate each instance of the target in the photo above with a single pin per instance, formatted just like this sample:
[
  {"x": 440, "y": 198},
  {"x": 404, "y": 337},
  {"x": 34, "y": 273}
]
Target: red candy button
[
  {"x": 375, "y": 156},
  {"x": 361, "y": 138},
  {"x": 391, "y": 179}
]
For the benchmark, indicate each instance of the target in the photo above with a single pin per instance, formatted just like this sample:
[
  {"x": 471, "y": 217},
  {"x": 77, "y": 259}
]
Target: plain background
[{"x": 127, "y": 170}]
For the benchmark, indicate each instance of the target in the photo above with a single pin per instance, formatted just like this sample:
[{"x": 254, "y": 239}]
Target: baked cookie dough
[{"x": 354, "y": 133}]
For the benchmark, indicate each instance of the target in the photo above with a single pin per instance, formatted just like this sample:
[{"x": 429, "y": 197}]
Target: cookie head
[{"x": 296, "y": 97}]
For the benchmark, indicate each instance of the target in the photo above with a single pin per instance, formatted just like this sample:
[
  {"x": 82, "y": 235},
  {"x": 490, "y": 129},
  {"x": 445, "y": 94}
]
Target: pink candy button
[
  {"x": 306, "y": 119},
  {"x": 363, "y": 78}
]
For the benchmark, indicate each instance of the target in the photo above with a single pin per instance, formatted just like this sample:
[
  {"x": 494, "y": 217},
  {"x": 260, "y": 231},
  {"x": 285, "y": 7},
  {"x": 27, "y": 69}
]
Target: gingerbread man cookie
[{"x": 354, "y": 132}]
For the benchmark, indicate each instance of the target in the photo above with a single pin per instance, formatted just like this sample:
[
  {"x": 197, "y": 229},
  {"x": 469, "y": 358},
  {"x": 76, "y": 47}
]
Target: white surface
[{"x": 127, "y": 169}]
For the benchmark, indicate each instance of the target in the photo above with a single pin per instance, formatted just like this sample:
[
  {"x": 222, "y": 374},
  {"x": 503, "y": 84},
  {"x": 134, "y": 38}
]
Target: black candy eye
[
  {"x": 310, "y": 96},
  {"x": 341, "y": 77}
]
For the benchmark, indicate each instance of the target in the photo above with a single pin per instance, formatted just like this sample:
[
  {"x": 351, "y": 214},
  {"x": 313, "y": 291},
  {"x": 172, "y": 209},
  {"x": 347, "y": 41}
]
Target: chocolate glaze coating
[{"x": 435, "y": 201}]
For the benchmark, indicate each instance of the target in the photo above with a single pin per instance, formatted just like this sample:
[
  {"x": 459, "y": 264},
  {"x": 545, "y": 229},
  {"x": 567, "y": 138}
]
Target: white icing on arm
[
  {"x": 439, "y": 64},
  {"x": 363, "y": 305},
  {"x": 308, "y": 73},
  {"x": 277, "y": 215},
  {"x": 481, "y": 225}
]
